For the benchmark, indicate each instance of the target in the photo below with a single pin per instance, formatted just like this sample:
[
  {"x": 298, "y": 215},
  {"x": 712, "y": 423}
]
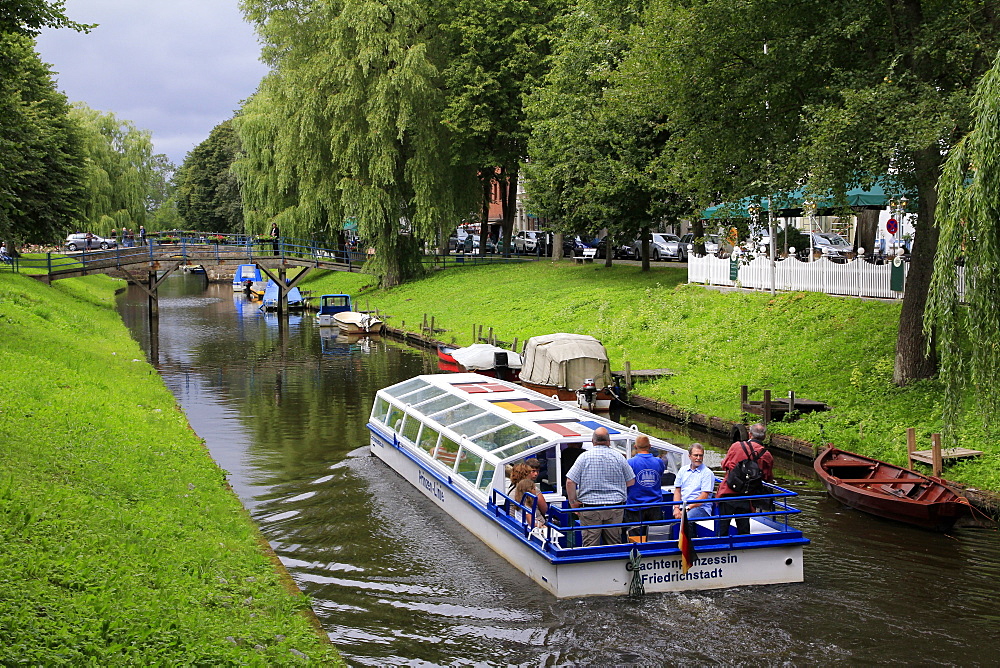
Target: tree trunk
[
  {"x": 699, "y": 236},
  {"x": 609, "y": 250},
  {"x": 913, "y": 362},
  {"x": 864, "y": 236},
  {"x": 644, "y": 235},
  {"x": 557, "y": 246},
  {"x": 508, "y": 203},
  {"x": 484, "y": 225}
]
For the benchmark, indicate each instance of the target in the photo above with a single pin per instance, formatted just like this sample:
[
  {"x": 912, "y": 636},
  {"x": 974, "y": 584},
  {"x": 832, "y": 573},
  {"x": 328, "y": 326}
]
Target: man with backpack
[{"x": 748, "y": 465}]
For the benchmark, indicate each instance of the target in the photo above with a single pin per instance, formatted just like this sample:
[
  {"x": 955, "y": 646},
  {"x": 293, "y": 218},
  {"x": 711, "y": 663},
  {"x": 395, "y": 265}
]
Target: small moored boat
[
  {"x": 331, "y": 305},
  {"x": 452, "y": 436},
  {"x": 272, "y": 295},
  {"x": 889, "y": 491},
  {"x": 573, "y": 367},
  {"x": 246, "y": 273},
  {"x": 353, "y": 322},
  {"x": 446, "y": 353},
  {"x": 488, "y": 360}
]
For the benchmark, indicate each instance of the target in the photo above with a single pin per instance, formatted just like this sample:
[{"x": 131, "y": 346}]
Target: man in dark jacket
[{"x": 739, "y": 451}]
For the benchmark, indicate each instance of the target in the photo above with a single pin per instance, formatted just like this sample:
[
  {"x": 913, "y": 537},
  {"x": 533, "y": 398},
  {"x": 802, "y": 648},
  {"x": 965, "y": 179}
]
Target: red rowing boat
[
  {"x": 444, "y": 354},
  {"x": 889, "y": 491}
]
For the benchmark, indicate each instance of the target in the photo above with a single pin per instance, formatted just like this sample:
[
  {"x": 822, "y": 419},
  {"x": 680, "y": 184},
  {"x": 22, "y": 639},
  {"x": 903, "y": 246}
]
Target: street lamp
[{"x": 809, "y": 209}]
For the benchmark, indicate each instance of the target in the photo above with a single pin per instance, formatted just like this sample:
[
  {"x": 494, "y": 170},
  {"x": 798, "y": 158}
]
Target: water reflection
[{"x": 283, "y": 409}]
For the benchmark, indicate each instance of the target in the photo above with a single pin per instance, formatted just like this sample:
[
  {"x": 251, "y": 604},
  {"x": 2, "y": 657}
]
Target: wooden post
[
  {"x": 432, "y": 327},
  {"x": 628, "y": 375},
  {"x": 936, "y": 454},
  {"x": 743, "y": 397},
  {"x": 911, "y": 445},
  {"x": 524, "y": 347},
  {"x": 490, "y": 337},
  {"x": 513, "y": 346},
  {"x": 423, "y": 325},
  {"x": 767, "y": 407},
  {"x": 473, "y": 333},
  {"x": 480, "y": 337},
  {"x": 791, "y": 400}
]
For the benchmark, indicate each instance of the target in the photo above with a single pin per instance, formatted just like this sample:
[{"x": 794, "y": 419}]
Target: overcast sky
[{"x": 176, "y": 68}]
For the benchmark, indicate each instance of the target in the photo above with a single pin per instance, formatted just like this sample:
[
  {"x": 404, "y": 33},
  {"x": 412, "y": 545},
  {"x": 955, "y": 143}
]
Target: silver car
[
  {"x": 88, "y": 241},
  {"x": 712, "y": 242},
  {"x": 662, "y": 247}
]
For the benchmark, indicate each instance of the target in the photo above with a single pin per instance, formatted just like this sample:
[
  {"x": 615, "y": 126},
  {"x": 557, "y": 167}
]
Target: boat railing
[{"x": 562, "y": 526}]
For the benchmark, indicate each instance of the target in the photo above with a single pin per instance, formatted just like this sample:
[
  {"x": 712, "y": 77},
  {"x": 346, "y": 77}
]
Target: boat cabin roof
[{"x": 476, "y": 425}]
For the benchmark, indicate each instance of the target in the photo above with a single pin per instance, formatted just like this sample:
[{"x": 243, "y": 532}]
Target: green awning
[{"x": 873, "y": 196}]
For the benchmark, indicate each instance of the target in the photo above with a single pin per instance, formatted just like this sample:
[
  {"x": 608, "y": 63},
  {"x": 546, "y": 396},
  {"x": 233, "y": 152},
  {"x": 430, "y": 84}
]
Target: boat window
[
  {"x": 520, "y": 446},
  {"x": 414, "y": 398},
  {"x": 406, "y": 387},
  {"x": 455, "y": 415},
  {"x": 440, "y": 404},
  {"x": 469, "y": 464},
  {"x": 379, "y": 410},
  {"x": 395, "y": 419},
  {"x": 446, "y": 452},
  {"x": 487, "y": 478},
  {"x": 484, "y": 422},
  {"x": 428, "y": 439},
  {"x": 411, "y": 428}
]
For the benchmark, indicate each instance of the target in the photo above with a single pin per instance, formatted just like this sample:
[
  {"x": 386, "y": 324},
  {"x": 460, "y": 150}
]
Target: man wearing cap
[{"x": 600, "y": 477}]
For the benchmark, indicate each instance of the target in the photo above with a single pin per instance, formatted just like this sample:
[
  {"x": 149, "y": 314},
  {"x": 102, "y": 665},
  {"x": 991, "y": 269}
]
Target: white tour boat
[{"x": 452, "y": 435}]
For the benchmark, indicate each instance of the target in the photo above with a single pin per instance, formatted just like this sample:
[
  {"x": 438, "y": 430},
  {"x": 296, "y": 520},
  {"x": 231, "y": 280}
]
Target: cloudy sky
[{"x": 175, "y": 68}]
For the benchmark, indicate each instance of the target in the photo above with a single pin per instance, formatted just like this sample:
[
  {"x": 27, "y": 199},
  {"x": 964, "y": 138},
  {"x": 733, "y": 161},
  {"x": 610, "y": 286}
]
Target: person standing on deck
[
  {"x": 600, "y": 477},
  {"x": 739, "y": 451},
  {"x": 648, "y": 469}
]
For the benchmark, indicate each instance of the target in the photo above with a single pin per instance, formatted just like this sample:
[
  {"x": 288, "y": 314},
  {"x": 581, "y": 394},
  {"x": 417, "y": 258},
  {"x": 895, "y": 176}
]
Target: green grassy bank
[
  {"x": 119, "y": 540},
  {"x": 833, "y": 349}
]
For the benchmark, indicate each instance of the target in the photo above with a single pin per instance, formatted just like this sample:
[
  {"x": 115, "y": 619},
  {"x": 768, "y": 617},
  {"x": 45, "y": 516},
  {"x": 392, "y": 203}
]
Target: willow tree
[
  {"x": 117, "y": 171},
  {"x": 964, "y": 315},
  {"x": 349, "y": 126}
]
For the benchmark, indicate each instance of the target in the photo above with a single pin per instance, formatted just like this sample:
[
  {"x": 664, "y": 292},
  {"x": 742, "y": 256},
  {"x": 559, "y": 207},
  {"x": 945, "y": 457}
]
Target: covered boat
[
  {"x": 573, "y": 367},
  {"x": 329, "y": 306},
  {"x": 247, "y": 274},
  {"x": 488, "y": 360},
  {"x": 452, "y": 436},
  {"x": 272, "y": 295},
  {"x": 889, "y": 491},
  {"x": 354, "y": 322}
]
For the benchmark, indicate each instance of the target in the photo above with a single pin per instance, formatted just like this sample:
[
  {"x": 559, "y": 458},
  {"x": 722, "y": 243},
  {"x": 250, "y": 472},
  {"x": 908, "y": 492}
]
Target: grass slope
[
  {"x": 834, "y": 349},
  {"x": 119, "y": 540}
]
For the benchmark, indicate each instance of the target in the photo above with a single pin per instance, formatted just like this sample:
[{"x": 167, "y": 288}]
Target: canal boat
[
  {"x": 889, "y": 491},
  {"x": 247, "y": 273},
  {"x": 571, "y": 367},
  {"x": 272, "y": 295},
  {"x": 488, "y": 360},
  {"x": 329, "y": 306},
  {"x": 355, "y": 322},
  {"x": 452, "y": 437}
]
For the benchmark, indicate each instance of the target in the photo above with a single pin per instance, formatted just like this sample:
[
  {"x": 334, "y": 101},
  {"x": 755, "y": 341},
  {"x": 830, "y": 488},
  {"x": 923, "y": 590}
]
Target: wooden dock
[{"x": 776, "y": 409}]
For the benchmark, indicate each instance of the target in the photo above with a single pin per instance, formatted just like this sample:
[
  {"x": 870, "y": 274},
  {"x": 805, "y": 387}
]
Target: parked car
[
  {"x": 621, "y": 251},
  {"x": 712, "y": 243},
  {"x": 88, "y": 241},
  {"x": 832, "y": 246},
  {"x": 528, "y": 241},
  {"x": 662, "y": 247}
]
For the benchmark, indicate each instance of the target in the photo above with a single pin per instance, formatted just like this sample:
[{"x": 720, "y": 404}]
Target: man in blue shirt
[
  {"x": 600, "y": 477},
  {"x": 694, "y": 485},
  {"x": 648, "y": 470}
]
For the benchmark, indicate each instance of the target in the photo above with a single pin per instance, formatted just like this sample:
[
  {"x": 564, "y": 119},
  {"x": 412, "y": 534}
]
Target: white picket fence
[{"x": 856, "y": 278}]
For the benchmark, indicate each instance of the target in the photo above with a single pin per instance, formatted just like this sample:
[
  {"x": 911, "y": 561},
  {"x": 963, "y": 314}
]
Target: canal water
[{"x": 283, "y": 409}]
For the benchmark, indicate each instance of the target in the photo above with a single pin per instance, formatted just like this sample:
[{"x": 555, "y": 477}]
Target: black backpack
[{"x": 746, "y": 478}]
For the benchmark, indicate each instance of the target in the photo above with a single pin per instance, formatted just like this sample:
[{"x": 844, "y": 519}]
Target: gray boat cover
[
  {"x": 565, "y": 361},
  {"x": 479, "y": 357}
]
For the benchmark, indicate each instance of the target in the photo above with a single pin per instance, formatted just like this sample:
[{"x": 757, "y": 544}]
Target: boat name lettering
[
  {"x": 675, "y": 564},
  {"x": 432, "y": 486},
  {"x": 652, "y": 578}
]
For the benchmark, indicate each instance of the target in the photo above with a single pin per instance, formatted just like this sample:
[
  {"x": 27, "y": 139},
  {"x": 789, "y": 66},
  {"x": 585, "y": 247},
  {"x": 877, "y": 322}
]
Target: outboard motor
[
  {"x": 587, "y": 394},
  {"x": 501, "y": 366}
]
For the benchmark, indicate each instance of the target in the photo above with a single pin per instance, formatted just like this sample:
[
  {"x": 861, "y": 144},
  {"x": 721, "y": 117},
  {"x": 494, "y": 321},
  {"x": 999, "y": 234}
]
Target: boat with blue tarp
[
  {"x": 452, "y": 436},
  {"x": 272, "y": 295},
  {"x": 246, "y": 274}
]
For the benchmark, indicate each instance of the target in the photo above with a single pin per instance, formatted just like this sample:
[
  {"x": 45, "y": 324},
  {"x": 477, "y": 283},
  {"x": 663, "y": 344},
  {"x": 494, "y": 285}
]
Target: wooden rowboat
[
  {"x": 445, "y": 353},
  {"x": 889, "y": 491}
]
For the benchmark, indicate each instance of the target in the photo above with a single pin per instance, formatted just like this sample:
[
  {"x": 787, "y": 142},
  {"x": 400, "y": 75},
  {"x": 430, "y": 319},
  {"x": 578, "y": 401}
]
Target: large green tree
[
  {"x": 593, "y": 148},
  {"x": 495, "y": 54},
  {"x": 40, "y": 149},
  {"x": 207, "y": 191},
  {"x": 28, "y": 17},
  {"x": 763, "y": 96},
  {"x": 963, "y": 309},
  {"x": 349, "y": 126},
  {"x": 118, "y": 169}
]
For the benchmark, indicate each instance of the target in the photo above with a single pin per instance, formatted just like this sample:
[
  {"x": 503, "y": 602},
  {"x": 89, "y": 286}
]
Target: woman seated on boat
[{"x": 522, "y": 483}]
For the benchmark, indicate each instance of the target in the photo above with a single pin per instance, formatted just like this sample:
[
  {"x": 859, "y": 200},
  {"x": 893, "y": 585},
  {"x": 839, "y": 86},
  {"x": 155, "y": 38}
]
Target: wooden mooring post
[{"x": 911, "y": 445}]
